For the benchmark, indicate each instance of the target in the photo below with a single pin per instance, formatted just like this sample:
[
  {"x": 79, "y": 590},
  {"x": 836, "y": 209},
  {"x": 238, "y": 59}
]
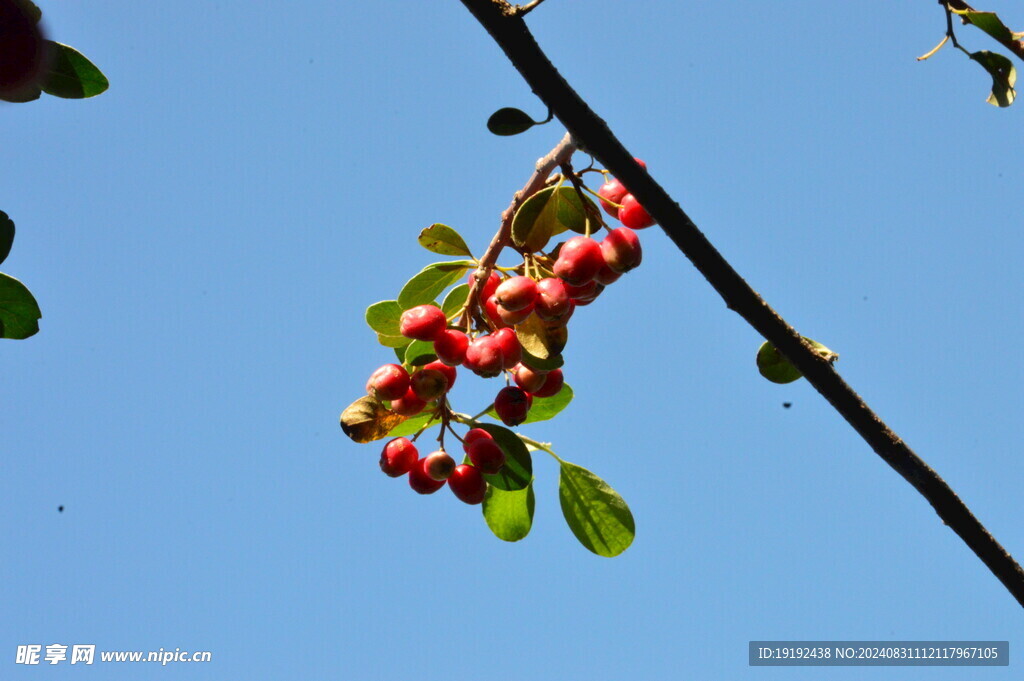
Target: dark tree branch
[{"x": 594, "y": 136}]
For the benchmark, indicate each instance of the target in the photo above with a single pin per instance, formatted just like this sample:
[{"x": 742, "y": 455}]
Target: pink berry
[
  {"x": 398, "y": 457},
  {"x": 423, "y": 322},
  {"x": 611, "y": 192},
  {"x": 621, "y": 249},
  {"x": 473, "y": 435},
  {"x": 606, "y": 276},
  {"x": 489, "y": 286},
  {"x": 438, "y": 465},
  {"x": 491, "y": 308},
  {"x": 512, "y": 405},
  {"x": 467, "y": 483},
  {"x": 408, "y": 404},
  {"x": 578, "y": 260},
  {"x": 516, "y": 293},
  {"x": 420, "y": 481},
  {"x": 484, "y": 357},
  {"x": 587, "y": 292},
  {"x": 633, "y": 215},
  {"x": 511, "y": 350},
  {"x": 512, "y": 318},
  {"x": 449, "y": 372},
  {"x": 552, "y": 384},
  {"x": 529, "y": 379},
  {"x": 450, "y": 347},
  {"x": 553, "y": 301},
  {"x": 486, "y": 455},
  {"x": 428, "y": 384},
  {"x": 389, "y": 382}
]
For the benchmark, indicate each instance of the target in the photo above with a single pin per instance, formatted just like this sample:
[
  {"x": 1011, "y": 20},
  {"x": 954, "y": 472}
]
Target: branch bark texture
[{"x": 592, "y": 134}]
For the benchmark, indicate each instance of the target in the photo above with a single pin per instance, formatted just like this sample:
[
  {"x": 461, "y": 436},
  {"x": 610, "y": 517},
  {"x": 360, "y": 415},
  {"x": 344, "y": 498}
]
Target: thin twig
[
  {"x": 512, "y": 35},
  {"x": 523, "y": 10}
]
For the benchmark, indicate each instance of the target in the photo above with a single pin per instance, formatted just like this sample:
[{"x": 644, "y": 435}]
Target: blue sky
[{"x": 204, "y": 238}]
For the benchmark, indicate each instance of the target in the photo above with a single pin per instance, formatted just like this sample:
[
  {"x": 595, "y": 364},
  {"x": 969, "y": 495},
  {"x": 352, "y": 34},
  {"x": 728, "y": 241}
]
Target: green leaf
[
  {"x": 518, "y": 470},
  {"x": 455, "y": 299},
  {"x": 393, "y": 341},
  {"x": 444, "y": 240},
  {"x": 412, "y": 425},
  {"x": 509, "y": 121},
  {"x": 29, "y": 93},
  {"x": 509, "y": 514},
  {"x": 545, "y": 408},
  {"x": 19, "y": 311},
  {"x": 546, "y": 364},
  {"x": 596, "y": 514},
  {"x": 419, "y": 353},
  {"x": 1004, "y": 77},
  {"x": 541, "y": 343},
  {"x": 71, "y": 75},
  {"x": 384, "y": 317},
  {"x": 6, "y": 235},
  {"x": 778, "y": 369},
  {"x": 990, "y": 23},
  {"x": 430, "y": 281},
  {"x": 548, "y": 212},
  {"x": 400, "y": 353}
]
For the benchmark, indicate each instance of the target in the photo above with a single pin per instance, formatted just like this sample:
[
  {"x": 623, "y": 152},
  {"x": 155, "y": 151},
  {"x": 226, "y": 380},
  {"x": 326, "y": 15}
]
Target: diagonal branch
[{"x": 593, "y": 134}]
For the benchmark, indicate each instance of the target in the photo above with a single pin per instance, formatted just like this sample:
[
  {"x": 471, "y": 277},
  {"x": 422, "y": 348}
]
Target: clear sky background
[{"x": 204, "y": 238}]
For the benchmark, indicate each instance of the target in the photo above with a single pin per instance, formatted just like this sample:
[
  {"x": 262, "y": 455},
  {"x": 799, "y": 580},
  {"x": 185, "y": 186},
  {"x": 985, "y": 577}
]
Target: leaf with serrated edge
[
  {"x": 518, "y": 469},
  {"x": 443, "y": 240},
  {"x": 431, "y": 281},
  {"x": 509, "y": 514},
  {"x": 595, "y": 512}
]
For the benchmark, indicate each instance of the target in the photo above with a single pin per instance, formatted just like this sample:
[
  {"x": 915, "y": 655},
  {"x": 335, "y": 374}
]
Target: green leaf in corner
[
  {"x": 518, "y": 470},
  {"x": 1004, "y": 77},
  {"x": 428, "y": 284},
  {"x": 384, "y": 317},
  {"x": 6, "y": 235},
  {"x": 509, "y": 514},
  {"x": 596, "y": 514},
  {"x": 444, "y": 240},
  {"x": 71, "y": 75},
  {"x": 19, "y": 311},
  {"x": 509, "y": 121}
]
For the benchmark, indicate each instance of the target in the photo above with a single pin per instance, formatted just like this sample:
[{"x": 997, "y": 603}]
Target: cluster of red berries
[
  {"x": 429, "y": 474},
  {"x": 579, "y": 270}
]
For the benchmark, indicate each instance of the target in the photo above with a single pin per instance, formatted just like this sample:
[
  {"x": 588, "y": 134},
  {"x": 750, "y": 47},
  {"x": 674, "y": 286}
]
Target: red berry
[
  {"x": 489, "y": 286},
  {"x": 606, "y": 276},
  {"x": 512, "y": 405},
  {"x": 587, "y": 292},
  {"x": 484, "y": 357},
  {"x": 420, "y": 481},
  {"x": 408, "y": 404},
  {"x": 398, "y": 457},
  {"x": 438, "y": 465},
  {"x": 467, "y": 484},
  {"x": 611, "y": 192},
  {"x": 511, "y": 350},
  {"x": 423, "y": 322},
  {"x": 486, "y": 455},
  {"x": 552, "y": 384},
  {"x": 512, "y": 318},
  {"x": 578, "y": 260},
  {"x": 473, "y": 435},
  {"x": 491, "y": 308},
  {"x": 553, "y": 301},
  {"x": 389, "y": 382},
  {"x": 621, "y": 249},
  {"x": 516, "y": 293},
  {"x": 449, "y": 372},
  {"x": 633, "y": 215},
  {"x": 450, "y": 347},
  {"x": 428, "y": 384},
  {"x": 529, "y": 379}
]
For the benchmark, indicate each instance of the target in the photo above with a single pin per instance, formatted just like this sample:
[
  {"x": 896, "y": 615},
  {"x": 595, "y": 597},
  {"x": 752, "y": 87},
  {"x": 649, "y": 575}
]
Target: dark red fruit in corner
[
  {"x": 578, "y": 260},
  {"x": 512, "y": 405},
  {"x": 621, "y": 249},
  {"x": 473, "y": 435},
  {"x": 633, "y": 215},
  {"x": 552, "y": 384},
  {"x": 389, "y": 382},
  {"x": 398, "y": 457},
  {"x": 408, "y": 404},
  {"x": 450, "y": 347},
  {"x": 511, "y": 350},
  {"x": 423, "y": 322},
  {"x": 421, "y": 482},
  {"x": 516, "y": 293},
  {"x": 467, "y": 483},
  {"x": 438, "y": 465},
  {"x": 486, "y": 455},
  {"x": 428, "y": 384},
  {"x": 484, "y": 358},
  {"x": 611, "y": 192}
]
